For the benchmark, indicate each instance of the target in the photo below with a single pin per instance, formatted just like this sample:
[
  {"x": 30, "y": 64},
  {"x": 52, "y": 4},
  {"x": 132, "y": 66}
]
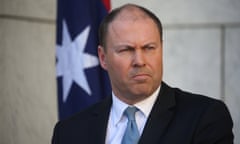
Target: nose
[{"x": 139, "y": 59}]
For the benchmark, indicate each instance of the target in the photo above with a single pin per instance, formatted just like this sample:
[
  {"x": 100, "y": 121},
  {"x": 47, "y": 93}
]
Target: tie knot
[{"x": 130, "y": 113}]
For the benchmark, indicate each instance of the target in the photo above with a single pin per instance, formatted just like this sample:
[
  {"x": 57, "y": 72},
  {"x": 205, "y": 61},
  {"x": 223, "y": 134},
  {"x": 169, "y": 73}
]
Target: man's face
[{"x": 133, "y": 58}]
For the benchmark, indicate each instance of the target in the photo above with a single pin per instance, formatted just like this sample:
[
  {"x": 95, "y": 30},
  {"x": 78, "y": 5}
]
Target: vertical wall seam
[{"x": 222, "y": 61}]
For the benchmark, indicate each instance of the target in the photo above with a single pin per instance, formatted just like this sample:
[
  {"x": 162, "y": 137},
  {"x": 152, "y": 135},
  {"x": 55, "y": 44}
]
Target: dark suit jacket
[{"x": 177, "y": 117}]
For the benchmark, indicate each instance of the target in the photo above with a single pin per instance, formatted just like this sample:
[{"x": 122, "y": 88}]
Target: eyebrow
[
  {"x": 152, "y": 43},
  {"x": 130, "y": 45},
  {"x": 122, "y": 45}
]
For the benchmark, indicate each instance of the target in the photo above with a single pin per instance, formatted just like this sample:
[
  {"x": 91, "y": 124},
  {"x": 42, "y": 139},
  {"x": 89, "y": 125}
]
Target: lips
[{"x": 140, "y": 77}]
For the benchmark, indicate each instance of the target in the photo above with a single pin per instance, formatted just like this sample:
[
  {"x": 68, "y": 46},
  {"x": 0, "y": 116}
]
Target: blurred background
[{"x": 201, "y": 55}]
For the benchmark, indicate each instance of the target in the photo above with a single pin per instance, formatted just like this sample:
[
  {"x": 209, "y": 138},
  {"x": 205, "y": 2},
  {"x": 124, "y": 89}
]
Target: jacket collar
[
  {"x": 160, "y": 116},
  {"x": 99, "y": 122},
  {"x": 158, "y": 120}
]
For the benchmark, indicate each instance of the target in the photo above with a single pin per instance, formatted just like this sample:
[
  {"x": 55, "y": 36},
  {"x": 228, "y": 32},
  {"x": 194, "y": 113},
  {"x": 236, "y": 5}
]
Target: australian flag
[{"x": 80, "y": 79}]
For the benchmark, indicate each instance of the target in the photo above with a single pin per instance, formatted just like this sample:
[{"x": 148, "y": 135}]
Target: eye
[
  {"x": 125, "y": 49},
  {"x": 149, "y": 47}
]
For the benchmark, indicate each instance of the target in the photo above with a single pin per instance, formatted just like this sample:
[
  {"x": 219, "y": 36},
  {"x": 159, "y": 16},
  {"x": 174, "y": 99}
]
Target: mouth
[{"x": 141, "y": 77}]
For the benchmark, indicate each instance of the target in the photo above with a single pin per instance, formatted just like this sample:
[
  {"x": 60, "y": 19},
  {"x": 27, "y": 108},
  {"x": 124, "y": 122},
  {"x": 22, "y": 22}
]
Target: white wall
[{"x": 28, "y": 109}]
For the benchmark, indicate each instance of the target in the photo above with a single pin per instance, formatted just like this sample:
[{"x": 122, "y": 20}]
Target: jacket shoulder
[
  {"x": 200, "y": 119},
  {"x": 90, "y": 111},
  {"x": 81, "y": 123}
]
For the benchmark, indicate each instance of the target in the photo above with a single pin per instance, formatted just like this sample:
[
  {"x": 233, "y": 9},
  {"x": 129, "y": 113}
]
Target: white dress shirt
[{"x": 117, "y": 122}]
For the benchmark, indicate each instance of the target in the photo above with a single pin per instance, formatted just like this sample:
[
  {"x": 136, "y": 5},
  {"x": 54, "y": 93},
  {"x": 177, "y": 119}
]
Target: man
[{"x": 130, "y": 51}]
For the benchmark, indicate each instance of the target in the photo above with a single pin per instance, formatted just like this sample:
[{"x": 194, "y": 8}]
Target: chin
[{"x": 142, "y": 93}]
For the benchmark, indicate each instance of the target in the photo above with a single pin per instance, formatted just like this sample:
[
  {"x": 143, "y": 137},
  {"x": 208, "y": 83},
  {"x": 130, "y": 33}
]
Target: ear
[{"x": 102, "y": 57}]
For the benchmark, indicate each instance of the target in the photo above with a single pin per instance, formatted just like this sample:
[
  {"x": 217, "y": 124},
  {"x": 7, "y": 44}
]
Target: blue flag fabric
[{"x": 80, "y": 79}]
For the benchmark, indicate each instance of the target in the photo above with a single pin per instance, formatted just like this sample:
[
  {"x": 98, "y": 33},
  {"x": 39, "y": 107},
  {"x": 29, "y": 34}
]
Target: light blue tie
[{"x": 131, "y": 135}]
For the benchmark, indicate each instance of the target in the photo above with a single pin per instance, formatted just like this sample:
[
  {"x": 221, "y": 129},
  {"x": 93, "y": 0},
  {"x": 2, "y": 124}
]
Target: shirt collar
[
  {"x": 144, "y": 106},
  {"x": 118, "y": 108}
]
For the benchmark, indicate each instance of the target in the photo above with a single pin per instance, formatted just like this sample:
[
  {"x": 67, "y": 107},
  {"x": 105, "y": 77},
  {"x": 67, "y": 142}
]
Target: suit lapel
[
  {"x": 157, "y": 123},
  {"x": 99, "y": 122},
  {"x": 160, "y": 116}
]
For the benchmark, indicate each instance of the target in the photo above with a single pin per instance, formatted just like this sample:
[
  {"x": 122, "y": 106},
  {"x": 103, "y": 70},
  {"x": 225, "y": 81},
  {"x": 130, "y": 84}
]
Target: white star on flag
[{"x": 72, "y": 61}]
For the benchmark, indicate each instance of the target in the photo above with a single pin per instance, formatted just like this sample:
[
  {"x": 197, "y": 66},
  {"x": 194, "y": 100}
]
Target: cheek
[
  {"x": 118, "y": 67},
  {"x": 156, "y": 64}
]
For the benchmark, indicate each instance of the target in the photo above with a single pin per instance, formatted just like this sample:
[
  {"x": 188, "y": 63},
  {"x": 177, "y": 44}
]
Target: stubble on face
[{"x": 133, "y": 86}]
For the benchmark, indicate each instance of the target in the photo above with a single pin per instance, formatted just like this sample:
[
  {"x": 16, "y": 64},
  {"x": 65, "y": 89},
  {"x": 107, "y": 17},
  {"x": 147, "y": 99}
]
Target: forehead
[
  {"x": 131, "y": 14},
  {"x": 129, "y": 21},
  {"x": 132, "y": 26}
]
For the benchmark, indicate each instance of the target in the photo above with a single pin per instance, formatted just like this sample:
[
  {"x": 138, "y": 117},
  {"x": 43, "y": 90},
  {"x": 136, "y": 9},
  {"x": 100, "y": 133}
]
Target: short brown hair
[{"x": 103, "y": 29}]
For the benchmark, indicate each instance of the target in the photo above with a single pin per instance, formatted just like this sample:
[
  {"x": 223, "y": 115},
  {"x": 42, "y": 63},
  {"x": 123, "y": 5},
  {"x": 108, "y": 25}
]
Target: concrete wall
[
  {"x": 28, "y": 109},
  {"x": 201, "y": 47},
  {"x": 201, "y": 54}
]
